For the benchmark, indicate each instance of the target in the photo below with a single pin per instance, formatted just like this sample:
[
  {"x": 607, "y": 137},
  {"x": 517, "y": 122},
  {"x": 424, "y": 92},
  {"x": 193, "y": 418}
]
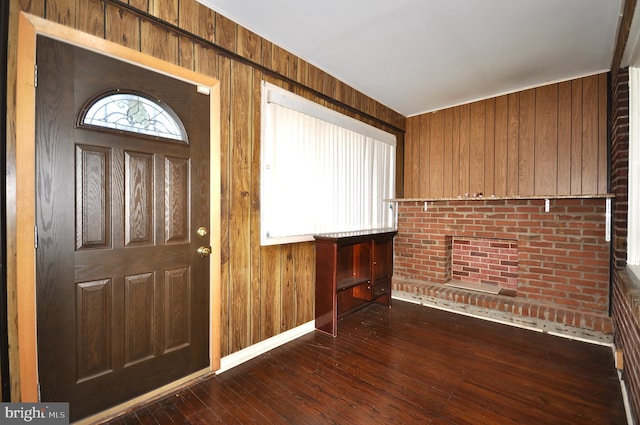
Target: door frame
[{"x": 29, "y": 28}]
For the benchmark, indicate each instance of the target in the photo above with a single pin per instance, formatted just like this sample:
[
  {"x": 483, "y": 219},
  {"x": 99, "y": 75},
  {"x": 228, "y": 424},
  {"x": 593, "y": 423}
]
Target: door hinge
[
  {"x": 35, "y": 75},
  {"x": 39, "y": 394},
  {"x": 35, "y": 237}
]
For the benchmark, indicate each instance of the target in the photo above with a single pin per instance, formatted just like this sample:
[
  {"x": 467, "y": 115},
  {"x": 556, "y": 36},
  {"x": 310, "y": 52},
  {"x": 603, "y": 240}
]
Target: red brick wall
[
  {"x": 490, "y": 261},
  {"x": 563, "y": 257},
  {"x": 626, "y": 294}
]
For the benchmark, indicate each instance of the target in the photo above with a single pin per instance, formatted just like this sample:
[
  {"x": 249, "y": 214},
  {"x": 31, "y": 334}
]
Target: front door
[{"x": 122, "y": 288}]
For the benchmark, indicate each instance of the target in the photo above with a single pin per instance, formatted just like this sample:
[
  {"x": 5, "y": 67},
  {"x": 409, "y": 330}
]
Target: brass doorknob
[{"x": 204, "y": 251}]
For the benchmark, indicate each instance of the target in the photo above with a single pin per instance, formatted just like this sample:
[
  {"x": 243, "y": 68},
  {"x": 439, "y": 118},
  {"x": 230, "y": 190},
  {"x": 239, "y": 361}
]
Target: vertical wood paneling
[
  {"x": 576, "y": 136},
  {"x": 501, "y": 147},
  {"x": 489, "y": 148},
  {"x": 288, "y": 291},
  {"x": 436, "y": 155},
  {"x": 564, "y": 138},
  {"x": 226, "y": 32},
  {"x": 316, "y": 79},
  {"x": 270, "y": 291},
  {"x": 239, "y": 222},
  {"x": 424, "y": 131},
  {"x": 400, "y": 166},
  {"x": 465, "y": 149},
  {"x": 166, "y": 10},
  {"x": 408, "y": 163},
  {"x": 546, "y": 141},
  {"x": 329, "y": 89},
  {"x": 303, "y": 76},
  {"x": 456, "y": 188},
  {"x": 249, "y": 45},
  {"x": 476, "y": 146},
  {"x": 281, "y": 61},
  {"x": 33, "y": 7},
  {"x": 62, "y": 12},
  {"x": 551, "y": 140},
  {"x": 254, "y": 204},
  {"x": 526, "y": 145},
  {"x": 513, "y": 151},
  {"x": 140, "y": 4},
  {"x": 344, "y": 93},
  {"x": 448, "y": 154},
  {"x": 205, "y": 60},
  {"x": 304, "y": 277},
  {"x": 603, "y": 179},
  {"x": 90, "y": 18},
  {"x": 197, "y": 19},
  {"x": 417, "y": 147},
  {"x": 590, "y": 135},
  {"x": 224, "y": 75},
  {"x": 186, "y": 56},
  {"x": 158, "y": 43},
  {"x": 413, "y": 158},
  {"x": 122, "y": 28}
]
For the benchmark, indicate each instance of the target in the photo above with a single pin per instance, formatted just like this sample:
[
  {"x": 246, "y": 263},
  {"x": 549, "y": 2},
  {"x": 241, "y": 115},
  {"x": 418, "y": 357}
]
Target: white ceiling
[{"x": 416, "y": 56}]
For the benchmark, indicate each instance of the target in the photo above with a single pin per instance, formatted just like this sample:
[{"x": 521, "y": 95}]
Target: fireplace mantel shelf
[{"x": 502, "y": 198}]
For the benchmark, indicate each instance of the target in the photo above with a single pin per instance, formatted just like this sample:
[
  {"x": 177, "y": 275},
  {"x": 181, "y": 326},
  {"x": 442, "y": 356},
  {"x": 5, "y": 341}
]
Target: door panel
[
  {"x": 122, "y": 295},
  {"x": 92, "y": 197}
]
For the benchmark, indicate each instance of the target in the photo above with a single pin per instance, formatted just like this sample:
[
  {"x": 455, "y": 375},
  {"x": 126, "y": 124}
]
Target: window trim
[{"x": 633, "y": 181}]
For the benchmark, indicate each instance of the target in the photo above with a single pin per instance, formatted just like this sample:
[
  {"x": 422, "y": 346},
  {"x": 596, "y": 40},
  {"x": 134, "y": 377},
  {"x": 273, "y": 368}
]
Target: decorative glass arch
[{"x": 132, "y": 112}]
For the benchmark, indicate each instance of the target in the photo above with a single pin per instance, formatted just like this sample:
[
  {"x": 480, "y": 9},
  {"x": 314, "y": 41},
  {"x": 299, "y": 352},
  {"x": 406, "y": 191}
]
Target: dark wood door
[{"x": 122, "y": 294}]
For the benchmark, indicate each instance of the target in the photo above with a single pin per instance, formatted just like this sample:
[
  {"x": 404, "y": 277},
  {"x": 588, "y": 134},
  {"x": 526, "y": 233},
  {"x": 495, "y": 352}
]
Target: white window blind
[{"x": 321, "y": 171}]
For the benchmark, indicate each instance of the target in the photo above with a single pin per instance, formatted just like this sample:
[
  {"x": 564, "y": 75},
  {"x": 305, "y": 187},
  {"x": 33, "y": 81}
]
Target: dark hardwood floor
[{"x": 407, "y": 365}]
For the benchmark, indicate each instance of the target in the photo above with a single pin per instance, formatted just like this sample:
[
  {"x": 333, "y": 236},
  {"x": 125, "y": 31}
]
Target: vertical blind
[{"x": 321, "y": 171}]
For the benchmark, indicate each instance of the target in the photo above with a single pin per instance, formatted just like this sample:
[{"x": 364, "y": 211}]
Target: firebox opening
[{"x": 484, "y": 264}]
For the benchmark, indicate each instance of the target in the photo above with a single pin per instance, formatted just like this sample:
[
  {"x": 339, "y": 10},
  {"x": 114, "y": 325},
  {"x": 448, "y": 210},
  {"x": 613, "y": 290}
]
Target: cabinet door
[{"x": 382, "y": 258}]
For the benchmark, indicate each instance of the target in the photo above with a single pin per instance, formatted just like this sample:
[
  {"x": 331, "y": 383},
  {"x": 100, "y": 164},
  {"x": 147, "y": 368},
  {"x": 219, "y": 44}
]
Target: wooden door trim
[{"x": 29, "y": 27}]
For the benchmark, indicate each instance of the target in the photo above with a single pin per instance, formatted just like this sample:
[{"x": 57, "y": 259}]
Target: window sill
[
  {"x": 634, "y": 275},
  {"x": 629, "y": 280}
]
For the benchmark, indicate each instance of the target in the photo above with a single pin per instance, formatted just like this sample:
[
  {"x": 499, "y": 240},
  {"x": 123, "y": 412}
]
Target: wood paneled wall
[
  {"x": 266, "y": 290},
  {"x": 550, "y": 140}
]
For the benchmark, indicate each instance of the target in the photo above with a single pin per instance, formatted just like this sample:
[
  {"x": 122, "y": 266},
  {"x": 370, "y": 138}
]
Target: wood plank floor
[{"x": 407, "y": 365}]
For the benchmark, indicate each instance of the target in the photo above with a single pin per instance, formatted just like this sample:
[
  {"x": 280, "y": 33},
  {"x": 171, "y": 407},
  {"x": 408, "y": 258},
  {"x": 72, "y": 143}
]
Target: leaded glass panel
[{"x": 135, "y": 113}]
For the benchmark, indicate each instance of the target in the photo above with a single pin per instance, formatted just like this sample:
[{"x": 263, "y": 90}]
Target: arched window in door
[{"x": 132, "y": 112}]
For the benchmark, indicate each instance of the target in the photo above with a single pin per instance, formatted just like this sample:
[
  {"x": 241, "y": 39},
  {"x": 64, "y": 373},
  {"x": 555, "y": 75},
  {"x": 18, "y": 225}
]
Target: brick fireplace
[{"x": 554, "y": 267}]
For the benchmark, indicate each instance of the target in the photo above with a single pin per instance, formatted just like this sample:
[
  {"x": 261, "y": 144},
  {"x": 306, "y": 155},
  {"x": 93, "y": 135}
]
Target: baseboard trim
[
  {"x": 625, "y": 399},
  {"x": 246, "y": 354}
]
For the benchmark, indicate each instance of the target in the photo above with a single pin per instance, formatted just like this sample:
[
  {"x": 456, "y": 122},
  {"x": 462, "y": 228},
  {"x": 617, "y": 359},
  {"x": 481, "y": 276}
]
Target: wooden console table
[{"x": 353, "y": 270}]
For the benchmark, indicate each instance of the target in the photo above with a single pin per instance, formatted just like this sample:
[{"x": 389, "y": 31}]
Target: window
[
  {"x": 132, "y": 112},
  {"x": 633, "y": 216},
  {"x": 321, "y": 171}
]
